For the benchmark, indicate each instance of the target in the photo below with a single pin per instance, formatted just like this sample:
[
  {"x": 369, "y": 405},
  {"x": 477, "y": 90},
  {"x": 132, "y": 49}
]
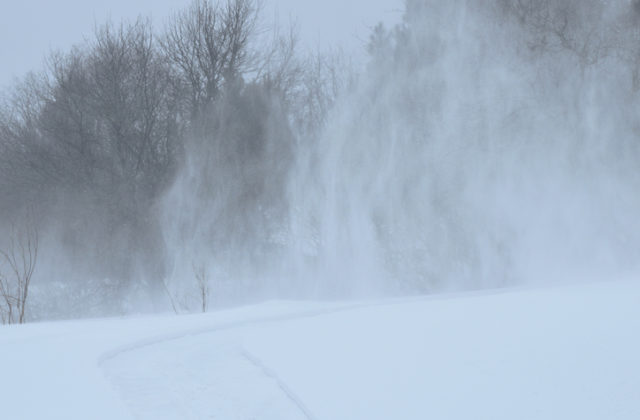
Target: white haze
[
  {"x": 478, "y": 164},
  {"x": 470, "y": 153}
]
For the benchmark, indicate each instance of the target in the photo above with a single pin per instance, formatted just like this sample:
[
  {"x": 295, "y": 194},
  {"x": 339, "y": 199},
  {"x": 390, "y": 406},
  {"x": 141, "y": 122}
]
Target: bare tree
[
  {"x": 172, "y": 299},
  {"x": 202, "y": 280},
  {"x": 208, "y": 46},
  {"x": 279, "y": 67},
  {"x": 20, "y": 257},
  {"x": 581, "y": 27},
  {"x": 133, "y": 96},
  {"x": 102, "y": 126},
  {"x": 104, "y": 117},
  {"x": 324, "y": 77}
]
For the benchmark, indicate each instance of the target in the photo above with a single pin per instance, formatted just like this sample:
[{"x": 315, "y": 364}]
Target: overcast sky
[{"x": 29, "y": 29}]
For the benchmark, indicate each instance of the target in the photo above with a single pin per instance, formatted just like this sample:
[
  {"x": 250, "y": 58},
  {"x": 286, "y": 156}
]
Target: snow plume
[
  {"x": 484, "y": 144},
  {"x": 488, "y": 144},
  {"x": 225, "y": 214}
]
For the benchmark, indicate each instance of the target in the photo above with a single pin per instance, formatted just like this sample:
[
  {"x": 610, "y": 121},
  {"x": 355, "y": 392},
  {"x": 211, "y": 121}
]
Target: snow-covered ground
[{"x": 562, "y": 353}]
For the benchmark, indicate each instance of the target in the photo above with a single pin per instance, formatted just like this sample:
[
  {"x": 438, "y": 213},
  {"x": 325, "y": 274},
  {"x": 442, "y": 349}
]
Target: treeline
[
  {"x": 93, "y": 144},
  {"x": 210, "y": 162}
]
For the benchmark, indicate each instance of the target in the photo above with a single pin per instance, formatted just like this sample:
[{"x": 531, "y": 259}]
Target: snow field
[{"x": 562, "y": 353}]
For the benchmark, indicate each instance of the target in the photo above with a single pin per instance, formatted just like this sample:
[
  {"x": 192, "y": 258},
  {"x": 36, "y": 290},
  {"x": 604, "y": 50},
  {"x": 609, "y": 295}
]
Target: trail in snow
[
  {"x": 285, "y": 388},
  {"x": 215, "y": 327},
  {"x": 198, "y": 377},
  {"x": 529, "y": 354},
  {"x": 53, "y": 368}
]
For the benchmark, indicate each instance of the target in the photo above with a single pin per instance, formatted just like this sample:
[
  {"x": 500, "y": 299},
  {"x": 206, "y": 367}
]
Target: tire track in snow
[{"x": 291, "y": 395}]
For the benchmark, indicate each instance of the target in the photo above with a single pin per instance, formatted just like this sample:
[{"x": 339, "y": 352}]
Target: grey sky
[{"x": 29, "y": 29}]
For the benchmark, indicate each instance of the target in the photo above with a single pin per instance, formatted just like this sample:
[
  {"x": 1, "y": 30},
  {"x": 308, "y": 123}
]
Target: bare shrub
[
  {"x": 202, "y": 280},
  {"x": 20, "y": 258}
]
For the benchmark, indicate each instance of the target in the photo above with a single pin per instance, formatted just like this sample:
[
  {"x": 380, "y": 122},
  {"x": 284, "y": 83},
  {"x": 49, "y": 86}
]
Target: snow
[{"x": 555, "y": 353}]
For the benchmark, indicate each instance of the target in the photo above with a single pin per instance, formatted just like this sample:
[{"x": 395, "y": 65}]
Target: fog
[{"x": 478, "y": 145}]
